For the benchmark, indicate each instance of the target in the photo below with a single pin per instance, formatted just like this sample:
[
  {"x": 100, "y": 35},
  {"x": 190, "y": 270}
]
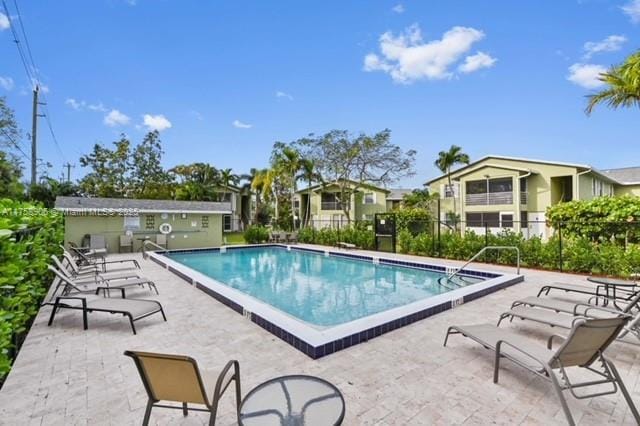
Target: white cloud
[
  {"x": 77, "y": 105},
  {"x": 6, "y": 83},
  {"x": 586, "y": 75},
  {"x": 398, "y": 8},
  {"x": 156, "y": 122},
  {"x": 407, "y": 58},
  {"x": 4, "y": 22},
  {"x": 240, "y": 125},
  {"x": 116, "y": 118},
  {"x": 97, "y": 107},
  {"x": 475, "y": 62},
  {"x": 632, "y": 9},
  {"x": 609, "y": 44},
  {"x": 280, "y": 94}
]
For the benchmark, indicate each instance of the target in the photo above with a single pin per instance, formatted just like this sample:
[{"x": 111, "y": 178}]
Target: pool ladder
[{"x": 475, "y": 256}]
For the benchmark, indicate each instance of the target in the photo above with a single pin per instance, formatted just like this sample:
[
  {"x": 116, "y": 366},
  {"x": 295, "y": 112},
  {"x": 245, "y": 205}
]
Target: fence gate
[{"x": 384, "y": 226}]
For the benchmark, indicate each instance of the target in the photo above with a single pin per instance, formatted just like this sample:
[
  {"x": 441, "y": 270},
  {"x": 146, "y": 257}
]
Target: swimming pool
[
  {"x": 322, "y": 291},
  {"x": 321, "y": 301}
]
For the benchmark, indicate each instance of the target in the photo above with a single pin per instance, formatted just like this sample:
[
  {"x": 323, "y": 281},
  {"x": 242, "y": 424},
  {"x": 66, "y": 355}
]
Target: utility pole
[
  {"x": 68, "y": 166},
  {"x": 34, "y": 131}
]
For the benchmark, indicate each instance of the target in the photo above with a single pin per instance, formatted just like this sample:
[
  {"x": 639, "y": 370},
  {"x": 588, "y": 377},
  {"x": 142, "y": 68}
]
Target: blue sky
[{"x": 230, "y": 78}]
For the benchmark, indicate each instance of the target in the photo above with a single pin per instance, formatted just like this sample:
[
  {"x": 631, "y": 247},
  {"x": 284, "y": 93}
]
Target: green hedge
[
  {"x": 29, "y": 235},
  {"x": 360, "y": 234},
  {"x": 579, "y": 254},
  {"x": 256, "y": 234}
]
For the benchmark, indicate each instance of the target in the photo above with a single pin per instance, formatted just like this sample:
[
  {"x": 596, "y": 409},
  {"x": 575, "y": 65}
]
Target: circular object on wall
[
  {"x": 165, "y": 228},
  {"x": 164, "y": 215}
]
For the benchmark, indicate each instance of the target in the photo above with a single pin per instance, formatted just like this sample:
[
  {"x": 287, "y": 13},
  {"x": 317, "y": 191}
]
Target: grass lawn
[{"x": 234, "y": 238}]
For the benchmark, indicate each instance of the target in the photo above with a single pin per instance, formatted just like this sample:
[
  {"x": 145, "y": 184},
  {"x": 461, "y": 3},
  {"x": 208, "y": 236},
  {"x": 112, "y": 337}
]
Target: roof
[
  {"x": 496, "y": 166},
  {"x": 531, "y": 160},
  {"x": 328, "y": 184},
  {"x": 626, "y": 175},
  {"x": 142, "y": 206},
  {"x": 398, "y": 193}
]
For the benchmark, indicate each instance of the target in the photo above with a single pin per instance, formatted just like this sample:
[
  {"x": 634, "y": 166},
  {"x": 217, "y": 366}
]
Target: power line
[
  {"x": 16, "y": 40},
  {"x": 32, "y": 71},
  {"x": 14, "y": 143}
]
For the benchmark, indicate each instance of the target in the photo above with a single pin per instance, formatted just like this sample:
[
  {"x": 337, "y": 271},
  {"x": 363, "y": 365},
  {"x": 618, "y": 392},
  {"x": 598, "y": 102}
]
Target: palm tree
[
  {"x": 623, "y": 86},
  {"x": 446, "y": 160},
  {"x": 288, "y": 162},
  {"x": 261, "y": 185},
  {"x": 227, "y": 178},
  {"x": 309, "y": 174}
]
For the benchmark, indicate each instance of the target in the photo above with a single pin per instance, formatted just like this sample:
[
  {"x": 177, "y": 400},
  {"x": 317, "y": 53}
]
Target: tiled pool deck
[{"x": 68, "y": 376}]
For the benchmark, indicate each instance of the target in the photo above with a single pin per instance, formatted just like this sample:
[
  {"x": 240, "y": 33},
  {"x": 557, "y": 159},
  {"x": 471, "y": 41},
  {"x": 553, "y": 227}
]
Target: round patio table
[
  {"x": 613, "y": 284},
  {"x": 293, "y": 401}
]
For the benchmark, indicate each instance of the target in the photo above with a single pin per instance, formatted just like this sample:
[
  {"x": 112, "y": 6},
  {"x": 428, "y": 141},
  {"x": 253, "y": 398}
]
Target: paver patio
[{"x": 64, "y": 375}]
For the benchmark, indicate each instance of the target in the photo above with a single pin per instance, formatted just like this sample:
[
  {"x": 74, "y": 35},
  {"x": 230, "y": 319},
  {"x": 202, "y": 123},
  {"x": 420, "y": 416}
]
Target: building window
[
  {"x": 480, "y": 220},
  {"x": 331, "y": 201},
  {"x": 149, "y": 222},
  {"x": 524, "y": 222},
  {"x": 369, "y": 198},
  {"x": 477, "y": 187},
  {"x": 205, "y": 221},
  {"x": 296, "y": 204},
  {"x": 132, "y": 222},
  {"x": 506, "y": 220},
  {"x": 523, "y": 184},
  {"x": 450, "y": 190},
  {"x": 226, "y": 222}
]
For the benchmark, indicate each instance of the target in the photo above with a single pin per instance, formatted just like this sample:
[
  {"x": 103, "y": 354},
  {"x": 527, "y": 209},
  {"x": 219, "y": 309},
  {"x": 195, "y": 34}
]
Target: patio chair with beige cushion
[
  {"x": 583, "y": 348},
  {"x": 177, "y": 378},
  {"x": 126, "y": 242}
]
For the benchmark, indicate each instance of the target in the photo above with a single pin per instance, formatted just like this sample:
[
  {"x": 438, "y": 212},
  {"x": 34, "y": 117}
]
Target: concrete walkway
[{"x": 67, "y": 376}]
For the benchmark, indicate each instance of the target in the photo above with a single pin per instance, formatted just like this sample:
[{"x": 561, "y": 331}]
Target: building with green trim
[
  {"x": 191, "y": 224},
  {"x": 498, "y": 192}
]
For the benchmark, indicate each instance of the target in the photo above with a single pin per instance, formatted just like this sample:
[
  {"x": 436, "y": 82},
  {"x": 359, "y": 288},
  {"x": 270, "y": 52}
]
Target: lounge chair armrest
[
  {"x": 554, "y": 336},
  {"x": 109, "y": 289},
  {"x": 602, "y": 309},
  {"x": 108, "y": 262},
  {"x": 499, "y": 344}
]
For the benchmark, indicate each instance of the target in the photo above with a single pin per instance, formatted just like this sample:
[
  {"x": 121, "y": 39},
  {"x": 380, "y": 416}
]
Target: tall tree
[
  {"x": 446, "y": 160},
  {"x": 354, "y": 161},
  {"x": 196, "y": 182},
  {"x": 309, "y": 174},
  {"x": 623, "y": 86},
  {"x": 10, "y": 163},
  {"x": 226, "y": 179},
  {"x": 148, "y": 177},
  {"x": 286, "y": 160},
  {"x": 48, "y": 189},
  {"x": 259, "y": 184},
  {"x": 110, "y": 170}
]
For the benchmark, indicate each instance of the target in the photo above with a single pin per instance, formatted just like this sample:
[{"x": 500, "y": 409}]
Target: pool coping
[{"x": 318, "y": 342}]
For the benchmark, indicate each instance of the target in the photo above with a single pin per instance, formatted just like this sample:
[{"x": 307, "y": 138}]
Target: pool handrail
[{"x": 475, "y": 256}]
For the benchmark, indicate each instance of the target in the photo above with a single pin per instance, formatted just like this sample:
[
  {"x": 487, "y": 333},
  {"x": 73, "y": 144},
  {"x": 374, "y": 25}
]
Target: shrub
[
  {"x": 360, "y": 234},
  {"x": 256, "y": 234},
  {"x": 28, "y": 237}
]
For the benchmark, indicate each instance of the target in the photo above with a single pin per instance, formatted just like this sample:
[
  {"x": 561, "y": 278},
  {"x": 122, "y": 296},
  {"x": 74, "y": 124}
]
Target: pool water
[{"x": 323, "y": 291}]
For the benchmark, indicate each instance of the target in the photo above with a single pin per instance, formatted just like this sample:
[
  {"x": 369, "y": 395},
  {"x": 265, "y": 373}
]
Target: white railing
[
  {"x": 489, "y": 199},
  {"x": 524, "y": 198},
  {"x": 331, "y": 205}
]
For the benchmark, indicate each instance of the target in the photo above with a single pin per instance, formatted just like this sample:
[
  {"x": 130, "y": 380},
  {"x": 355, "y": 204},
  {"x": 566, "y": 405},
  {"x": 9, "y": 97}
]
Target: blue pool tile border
[{"x": 329, "y": 348}]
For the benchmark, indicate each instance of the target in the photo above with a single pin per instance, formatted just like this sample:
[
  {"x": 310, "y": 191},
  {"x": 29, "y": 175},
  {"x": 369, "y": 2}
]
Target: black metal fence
[{"x": 560, "y": 242}]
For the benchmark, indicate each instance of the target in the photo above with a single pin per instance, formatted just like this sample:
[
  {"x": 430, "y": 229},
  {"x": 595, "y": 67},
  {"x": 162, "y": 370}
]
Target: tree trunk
[{"x": 293, "y": 202}]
